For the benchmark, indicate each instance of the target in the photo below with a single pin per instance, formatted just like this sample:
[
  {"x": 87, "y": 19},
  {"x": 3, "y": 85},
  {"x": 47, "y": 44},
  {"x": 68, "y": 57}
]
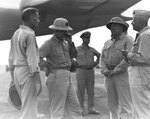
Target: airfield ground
[{"x": 7, "y": 111}]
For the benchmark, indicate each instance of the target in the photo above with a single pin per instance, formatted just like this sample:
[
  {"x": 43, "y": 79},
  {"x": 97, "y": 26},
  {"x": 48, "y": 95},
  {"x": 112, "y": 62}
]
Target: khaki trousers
[
  {"x": 64, "y": 103},
  {"x": 26, "y": 89},
  {"x": 119, "y": 97},
  {"x": 140, "y": 94},
  {"x": 85, "y": 81}
]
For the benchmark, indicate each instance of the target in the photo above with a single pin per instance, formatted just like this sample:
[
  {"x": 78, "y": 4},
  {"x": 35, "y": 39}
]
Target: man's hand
[
  {"x": 37, "y": 81},
  {"x": 113, "y": 72},
  {"x": 125, "y": 54},
  {"x": 106, "y": 72},
  {"x": 68, "y": 38}
]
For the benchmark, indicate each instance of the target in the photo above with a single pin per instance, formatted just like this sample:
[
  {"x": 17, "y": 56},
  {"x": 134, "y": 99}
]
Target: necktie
[{"x": 136, "y": 37}]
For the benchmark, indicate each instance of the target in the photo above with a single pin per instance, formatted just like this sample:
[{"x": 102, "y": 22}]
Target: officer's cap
[
  {"x": 143, "y": 14},
  {"x": 86, "y": 34}
]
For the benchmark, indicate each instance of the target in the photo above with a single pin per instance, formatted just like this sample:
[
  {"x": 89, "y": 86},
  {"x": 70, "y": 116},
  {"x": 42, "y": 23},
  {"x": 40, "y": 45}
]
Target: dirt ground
[{"x": 7, "y": 111}]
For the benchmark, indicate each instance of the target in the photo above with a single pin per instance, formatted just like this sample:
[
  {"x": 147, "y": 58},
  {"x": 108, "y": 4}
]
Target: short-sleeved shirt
[
  {"x": 56, "y": 53},
  {"x": 85, "y": 57}
]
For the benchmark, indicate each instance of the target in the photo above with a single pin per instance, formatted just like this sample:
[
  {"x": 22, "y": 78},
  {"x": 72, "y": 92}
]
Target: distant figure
[
  {"x": 114, "y": 68},
  {"x": 59, "y": 51},
  {"x": 7, "y": 68},
  {"x": 23, "y": 62},
  {"x": 85, "y": 72},
  {"x": 139, "y": 72}
]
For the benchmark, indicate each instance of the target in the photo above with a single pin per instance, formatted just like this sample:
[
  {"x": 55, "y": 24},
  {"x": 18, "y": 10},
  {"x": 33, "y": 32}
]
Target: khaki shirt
[
  {"x": 112, "y": 55},
  {"x": 141, "y": 48},
  {"x": 141, "y": 56},
  {"x": 57, "y": 53},
  {"x": 24, "y": 49},
  {"x": 85, "y": 57}
]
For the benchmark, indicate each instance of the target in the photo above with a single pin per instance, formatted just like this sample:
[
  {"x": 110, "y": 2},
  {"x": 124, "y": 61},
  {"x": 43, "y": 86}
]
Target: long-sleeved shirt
[
  {"x": 58, "y": 54},
  {"x": 141, "y": 56},
  {"x": 112, "y": 55},
  {"x": 141, "y": 48},
  {"x": 24, "y": 49},
  {"x": 85, "y": 57}
]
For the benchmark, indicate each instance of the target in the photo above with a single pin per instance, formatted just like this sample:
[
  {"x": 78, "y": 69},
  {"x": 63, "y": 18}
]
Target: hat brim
[
  {"x": 14, "y": 97},
  {"x": 60, "y": 28},
  {"x": 108, "y": 25}
]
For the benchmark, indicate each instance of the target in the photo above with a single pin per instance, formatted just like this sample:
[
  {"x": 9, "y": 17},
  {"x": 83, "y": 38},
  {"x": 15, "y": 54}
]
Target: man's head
[
  {"x": 86, "y": 37},
  {"x": 61, "y": 27},
  {"x": 140, "y": 19},
  {"x": 30, "y": 17},
  {"x": 117, "y": 26}
]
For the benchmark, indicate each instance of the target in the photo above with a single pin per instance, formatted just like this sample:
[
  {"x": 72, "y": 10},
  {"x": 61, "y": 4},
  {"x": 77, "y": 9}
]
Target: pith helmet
[
  {"x": 14, "y": 97},
  {"x": 117, "y": 20},
  {"x": 86, "y": 34},
  {"x": 60, "y": 24}
]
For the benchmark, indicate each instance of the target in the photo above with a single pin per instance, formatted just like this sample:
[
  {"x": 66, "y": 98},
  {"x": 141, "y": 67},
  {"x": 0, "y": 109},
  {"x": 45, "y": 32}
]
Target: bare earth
[{"x": 7, "y": 111}]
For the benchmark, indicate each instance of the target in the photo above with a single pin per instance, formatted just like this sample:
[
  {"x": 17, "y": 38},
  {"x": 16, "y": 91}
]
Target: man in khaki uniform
[
  {"x": 139, "y": 72},
  {"x": 23, "y": 61},
  {"x": 114, "y": 67},
  {"x": 58, "y": 52},
  {"x": 85, "y": 72}
]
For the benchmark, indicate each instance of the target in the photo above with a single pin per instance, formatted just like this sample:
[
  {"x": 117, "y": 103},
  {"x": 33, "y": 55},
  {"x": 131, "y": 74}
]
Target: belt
[
  {"x": 20, "y": 65},
  {"x": 57, "y": 68},
  {"x": 84, "y": 67},
  {"x": 111, "y": 67},
  {"x": 64, "y": 68}
]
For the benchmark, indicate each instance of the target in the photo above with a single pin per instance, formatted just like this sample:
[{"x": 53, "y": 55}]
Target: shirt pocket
[{"x": 58, "y": 51}]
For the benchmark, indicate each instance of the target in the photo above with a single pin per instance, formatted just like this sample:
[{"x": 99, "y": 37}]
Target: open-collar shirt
[
  {"x": 24, "y": 49},
  {"x": 85, "y": 56},
  {"x": 111, "y": 52},
  {"x": 56, "y": 53}
]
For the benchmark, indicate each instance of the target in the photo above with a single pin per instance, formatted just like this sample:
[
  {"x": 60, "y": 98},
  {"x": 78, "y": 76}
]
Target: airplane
[{"x": 81, "y": 14}]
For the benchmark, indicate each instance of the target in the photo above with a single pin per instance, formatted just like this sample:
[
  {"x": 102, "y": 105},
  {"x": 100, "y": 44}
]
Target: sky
[{"x": 99, "y": 35}]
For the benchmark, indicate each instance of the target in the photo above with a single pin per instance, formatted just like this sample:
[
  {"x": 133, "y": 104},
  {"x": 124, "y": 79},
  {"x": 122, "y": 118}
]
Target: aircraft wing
[{"x": 81, "y": 14}]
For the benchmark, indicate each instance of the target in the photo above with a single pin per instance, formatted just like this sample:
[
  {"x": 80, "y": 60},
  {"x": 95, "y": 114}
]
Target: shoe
[{"x": 93, "y": 111}]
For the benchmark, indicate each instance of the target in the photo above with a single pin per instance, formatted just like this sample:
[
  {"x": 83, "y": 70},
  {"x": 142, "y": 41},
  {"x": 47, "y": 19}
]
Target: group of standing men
[
  {"x": 26, "y": 60},
  {"x": 125, "y": 64}
]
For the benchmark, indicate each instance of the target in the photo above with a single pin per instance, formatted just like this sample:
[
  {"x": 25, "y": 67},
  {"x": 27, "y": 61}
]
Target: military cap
[
  {"x": 144, "y": 14},
  {"x": 86, "y": 34}
]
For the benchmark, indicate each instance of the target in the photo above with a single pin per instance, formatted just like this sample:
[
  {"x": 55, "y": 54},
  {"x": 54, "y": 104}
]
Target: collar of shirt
[
  {"x": 83, "y": 47},
  {"x": 110, "y": 42},
  {"x": 57, "y": 40},
  {"x": 144, "y": 29},
  {"x": 27, "y": 28},
  {"x": 120, "y": 37}
]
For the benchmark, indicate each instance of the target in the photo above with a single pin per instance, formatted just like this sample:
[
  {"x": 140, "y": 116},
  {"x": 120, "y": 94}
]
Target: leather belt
[
  {"x": 84, "y": 67},
  {"x": 20, "y": 65},
  {"x": 111, "y": 67},
  {"x": 65, "y": 68}
]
